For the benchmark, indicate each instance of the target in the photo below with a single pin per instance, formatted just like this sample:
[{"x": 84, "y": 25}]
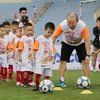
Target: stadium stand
[{"x": 56, "y": 12}]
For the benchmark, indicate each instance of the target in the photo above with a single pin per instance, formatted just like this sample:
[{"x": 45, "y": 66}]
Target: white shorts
[
  {"x": 3, "y": 62},
  {"x": 43, "y": 71},
  {"x": 10, "y": 61},
  {"x": 17, "y": 66},
  {"x": 25, "y": 66}
]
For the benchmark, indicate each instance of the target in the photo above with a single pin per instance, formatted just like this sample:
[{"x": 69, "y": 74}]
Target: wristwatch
[{"x": 88, "y": 55}]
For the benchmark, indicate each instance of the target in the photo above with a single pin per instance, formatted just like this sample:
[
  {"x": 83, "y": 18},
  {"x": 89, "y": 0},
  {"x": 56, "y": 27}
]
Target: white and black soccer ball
[
  {"x": 83, "y": 82},
  {"x": 46, "y": 86}
]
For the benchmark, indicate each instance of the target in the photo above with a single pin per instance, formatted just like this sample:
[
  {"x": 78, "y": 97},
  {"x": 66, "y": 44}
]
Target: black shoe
[
  {"x": 90, "y": 85},
  {"x": 25, "y": 84},
  {"x": 35, "y": 88}
]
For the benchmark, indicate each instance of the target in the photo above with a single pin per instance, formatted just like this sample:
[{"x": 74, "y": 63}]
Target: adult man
[
  {"x": 23, "y": 17},
  {"x": 75, "y": 36},
  {"x": 96, "y": 42}
]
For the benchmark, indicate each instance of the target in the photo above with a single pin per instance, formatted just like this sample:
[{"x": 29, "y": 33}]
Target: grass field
[{"x": 9, "y": 91}]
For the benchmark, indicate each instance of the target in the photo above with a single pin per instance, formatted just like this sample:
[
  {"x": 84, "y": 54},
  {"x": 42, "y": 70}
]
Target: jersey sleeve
[
  {"x": 85, "y": 32},
  {"x": 8, "y": 46},
  {"x": 20, "y": 45},
  {"x": 54, "y": 49},
  {"x": 36, "y": 45},
  {"x": 58, "y": 31},
  {"x": 13, "y": 46}
]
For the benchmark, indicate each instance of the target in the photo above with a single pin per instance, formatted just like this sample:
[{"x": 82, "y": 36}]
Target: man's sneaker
[
  {"x": 61, "y": 84},
  {"x": 35, "y": 88},
  {"x": 18, "y": 83}
]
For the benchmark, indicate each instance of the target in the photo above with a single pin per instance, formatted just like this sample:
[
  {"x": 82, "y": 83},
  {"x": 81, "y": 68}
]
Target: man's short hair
[
  {"x": 15, "y": 23},
  {"x": 22, "y": 8},
  {"x": 5, "y": 23},
  {"x": 75, "y": 15}
]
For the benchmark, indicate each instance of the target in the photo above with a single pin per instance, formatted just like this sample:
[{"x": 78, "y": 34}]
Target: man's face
[
  {"x": 23, "y": 13},
  {"x": 72, "y": 23}
]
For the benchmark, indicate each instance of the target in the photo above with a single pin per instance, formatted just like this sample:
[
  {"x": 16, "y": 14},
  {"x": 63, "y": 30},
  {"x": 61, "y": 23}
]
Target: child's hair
[
  {"x": 20, "y": 29},
  {"x": 27, "y": 24},
  {"x": 98, "y": 19},
  {"x": 22, "y": 8},
  {"x": 49, "y": 25},
  {"x": 15, "y": 23},
  {"x": 5, "y": 23},
  {"x": 1, "y": 26}
]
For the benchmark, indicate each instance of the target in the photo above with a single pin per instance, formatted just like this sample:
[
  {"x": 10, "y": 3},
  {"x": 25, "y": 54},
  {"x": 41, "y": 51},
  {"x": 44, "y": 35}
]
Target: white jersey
[
  {"x": 44, "y": 54},
  {"x": 3, "y": 47},
  {"x": 25, "y": 45},
  {"x": 12, "y": 38},
  {"x": 72, "y": 36},
  {"x": 28, "y": 44},
  {"x": 16, "y": 40}
]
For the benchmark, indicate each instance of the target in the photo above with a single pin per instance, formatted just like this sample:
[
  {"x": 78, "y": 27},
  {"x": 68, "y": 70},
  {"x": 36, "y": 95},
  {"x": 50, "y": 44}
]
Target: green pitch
[{"x": 9, "y": 91}]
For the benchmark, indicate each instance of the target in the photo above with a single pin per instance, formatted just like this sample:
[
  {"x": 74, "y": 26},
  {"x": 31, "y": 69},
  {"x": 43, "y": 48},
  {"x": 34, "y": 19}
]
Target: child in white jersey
[
  {"x": 3, "y": 51},
  {"x": 25, "y": 54},
  {"x": 17, "y": 65},
  {"x": 12, "y": 35},
  {"x": 44, "y": 54}
]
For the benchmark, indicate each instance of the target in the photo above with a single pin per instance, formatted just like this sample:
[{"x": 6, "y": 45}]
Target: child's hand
[
  {"x": 19, "y": 59},
  {"x": 93, "y": 53}
]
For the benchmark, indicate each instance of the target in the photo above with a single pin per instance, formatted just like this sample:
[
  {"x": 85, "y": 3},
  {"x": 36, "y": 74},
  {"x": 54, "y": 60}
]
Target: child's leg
[
  {"x": 18, "y": 76},
  {"x": 47, "y": 73},
  {"x": 25, "y": 76},
  {"x": 30, "y": 77},
  {"x": 10, "y": 72},
  {"x": 4, "y": 73},
  {"x": 46, "y": 77},
  {"x": 38, "y": 78}
]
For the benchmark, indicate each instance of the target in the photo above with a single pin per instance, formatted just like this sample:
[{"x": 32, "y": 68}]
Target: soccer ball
[
  {"x": 83, "y": 82},
  {"x": 46, "y": 86}
]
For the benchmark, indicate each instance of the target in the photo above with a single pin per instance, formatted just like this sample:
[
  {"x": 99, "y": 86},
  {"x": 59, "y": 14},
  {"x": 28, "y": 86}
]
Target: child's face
[
  {"x": 7, "y": 28},
  {"x": 29, "y": 30},
  {"x": 18, "y": 33},
  {"x": 48, "y": 32},
  {"x": 2, "y": 31},
  {"x": 14, "y": 27}
]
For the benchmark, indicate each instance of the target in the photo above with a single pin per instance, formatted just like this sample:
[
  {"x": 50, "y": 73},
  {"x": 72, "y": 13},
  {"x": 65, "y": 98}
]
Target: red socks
[
  {"x": 4, "y": 73},
  {"x": 10, "y": 72}
]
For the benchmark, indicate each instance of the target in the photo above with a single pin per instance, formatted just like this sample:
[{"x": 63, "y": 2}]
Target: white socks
[{"x": 62, "y": 78}]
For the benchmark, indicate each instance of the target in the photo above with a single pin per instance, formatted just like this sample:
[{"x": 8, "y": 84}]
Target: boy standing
[{"x": 44, "y": 54}]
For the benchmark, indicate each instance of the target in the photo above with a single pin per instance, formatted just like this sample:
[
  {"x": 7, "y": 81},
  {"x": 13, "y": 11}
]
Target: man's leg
[
  {"x": 62, "y": 70},
  {"x": 86, "y": 69}
]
